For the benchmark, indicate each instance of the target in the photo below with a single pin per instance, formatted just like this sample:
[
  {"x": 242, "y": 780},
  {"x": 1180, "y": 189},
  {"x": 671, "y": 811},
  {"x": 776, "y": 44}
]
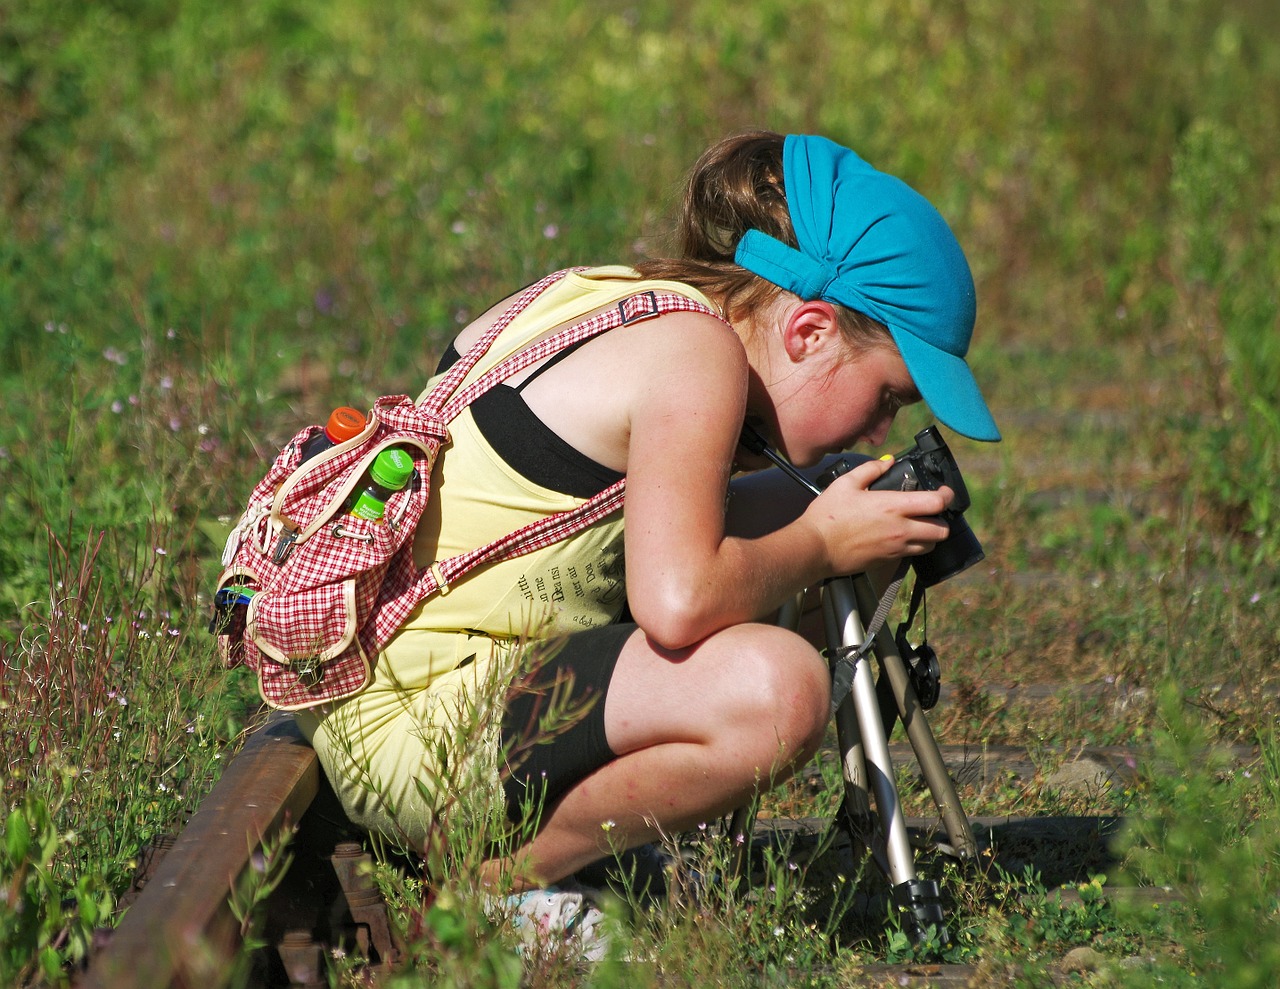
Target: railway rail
[{"x": 181, "y": 930}]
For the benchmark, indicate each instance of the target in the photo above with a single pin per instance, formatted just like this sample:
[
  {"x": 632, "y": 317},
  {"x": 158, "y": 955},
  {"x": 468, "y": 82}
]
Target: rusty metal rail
[{"x": 181, "y": 931}]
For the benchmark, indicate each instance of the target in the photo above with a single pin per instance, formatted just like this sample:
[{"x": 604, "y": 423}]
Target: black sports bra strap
[{"x": 555, "y": 359}]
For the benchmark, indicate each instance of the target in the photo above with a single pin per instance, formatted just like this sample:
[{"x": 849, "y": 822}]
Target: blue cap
[{"x": 870, "y": 242}]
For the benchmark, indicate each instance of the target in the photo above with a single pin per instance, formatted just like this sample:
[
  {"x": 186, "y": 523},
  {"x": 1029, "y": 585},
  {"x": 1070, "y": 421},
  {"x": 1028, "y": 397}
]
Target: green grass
[{"x": 220, "y": 220}]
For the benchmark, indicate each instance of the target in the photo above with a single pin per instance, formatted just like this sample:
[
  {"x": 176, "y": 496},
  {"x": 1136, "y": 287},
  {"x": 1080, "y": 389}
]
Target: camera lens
[{"x": 957, "y": 552}]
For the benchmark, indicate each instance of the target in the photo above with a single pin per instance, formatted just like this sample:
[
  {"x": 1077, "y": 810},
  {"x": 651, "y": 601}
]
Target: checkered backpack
[{"x": 309, "y": 595}]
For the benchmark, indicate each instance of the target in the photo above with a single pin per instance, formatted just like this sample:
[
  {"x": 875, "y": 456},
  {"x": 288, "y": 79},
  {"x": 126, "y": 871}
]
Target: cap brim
[{"x": 948, "y": 387}]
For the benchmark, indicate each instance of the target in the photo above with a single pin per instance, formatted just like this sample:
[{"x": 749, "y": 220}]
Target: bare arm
[{"x": 688, "y": 574}]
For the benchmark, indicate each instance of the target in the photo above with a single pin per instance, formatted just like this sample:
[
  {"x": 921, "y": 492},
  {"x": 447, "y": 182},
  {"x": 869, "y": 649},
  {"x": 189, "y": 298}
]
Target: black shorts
[{"x": 553, "y": 730}]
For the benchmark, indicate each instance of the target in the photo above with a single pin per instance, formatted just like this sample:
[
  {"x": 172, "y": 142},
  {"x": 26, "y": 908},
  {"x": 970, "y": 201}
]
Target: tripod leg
[
  {"x": 920, "y": 899},
  {"x": 871, "y": 732},
  {"x": 853, "y": 766},
  {"x": 941, "y": 786}
]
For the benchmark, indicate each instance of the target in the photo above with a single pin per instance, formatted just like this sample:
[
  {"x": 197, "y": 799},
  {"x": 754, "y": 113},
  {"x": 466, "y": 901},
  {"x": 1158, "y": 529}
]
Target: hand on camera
[{"x": 859, "y": 527}]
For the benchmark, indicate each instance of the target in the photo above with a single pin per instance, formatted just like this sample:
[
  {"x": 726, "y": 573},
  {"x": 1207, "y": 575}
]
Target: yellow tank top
[{"x": 476, "y": 498}]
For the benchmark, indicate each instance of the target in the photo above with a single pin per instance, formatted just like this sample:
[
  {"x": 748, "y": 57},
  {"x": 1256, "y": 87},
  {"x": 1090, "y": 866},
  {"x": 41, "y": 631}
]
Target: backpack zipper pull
[{"x": 284, "y": 546}]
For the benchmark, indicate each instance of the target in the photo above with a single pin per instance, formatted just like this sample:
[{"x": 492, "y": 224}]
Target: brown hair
[{"x": 734, "y": 187}]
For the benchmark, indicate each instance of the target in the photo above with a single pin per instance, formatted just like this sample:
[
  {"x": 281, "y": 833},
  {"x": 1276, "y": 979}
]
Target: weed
[
  {"x": 1198, "y": 823},
  {"x": 46, "y": 921}
]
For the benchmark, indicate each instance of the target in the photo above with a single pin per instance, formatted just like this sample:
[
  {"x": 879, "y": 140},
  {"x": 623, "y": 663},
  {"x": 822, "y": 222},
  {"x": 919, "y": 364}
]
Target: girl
[{"x": 823, "y": 295}]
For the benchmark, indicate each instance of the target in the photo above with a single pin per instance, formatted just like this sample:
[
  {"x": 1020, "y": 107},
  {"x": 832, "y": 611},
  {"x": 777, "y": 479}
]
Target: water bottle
[
  {"x": 344, "y": 423},
  {"x": 389, "y": 472}
]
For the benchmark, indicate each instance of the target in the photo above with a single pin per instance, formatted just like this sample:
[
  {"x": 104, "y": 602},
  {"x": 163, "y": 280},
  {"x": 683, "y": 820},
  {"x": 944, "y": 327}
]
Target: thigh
[
  {"x": 553, "y": 729},
  {"x": 749, "y": 680}
]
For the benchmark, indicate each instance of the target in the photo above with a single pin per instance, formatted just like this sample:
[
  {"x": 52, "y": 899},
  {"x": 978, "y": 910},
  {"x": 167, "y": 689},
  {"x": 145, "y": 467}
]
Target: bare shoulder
[
  {"x": 476, "y": 328},
  {"x": 682, "y": 349},
  {"x": 687, "y": 385}
]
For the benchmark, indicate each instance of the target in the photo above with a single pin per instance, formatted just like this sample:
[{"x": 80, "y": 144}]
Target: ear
[{"x": 810, "y": 329}]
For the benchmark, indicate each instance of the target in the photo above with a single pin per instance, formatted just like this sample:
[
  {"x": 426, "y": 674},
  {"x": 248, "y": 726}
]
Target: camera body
[{"x": 928, "y": 466}]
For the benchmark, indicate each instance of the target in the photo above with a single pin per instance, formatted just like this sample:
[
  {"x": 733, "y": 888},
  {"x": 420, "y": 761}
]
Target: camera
[{"x": 928, "y": 466}]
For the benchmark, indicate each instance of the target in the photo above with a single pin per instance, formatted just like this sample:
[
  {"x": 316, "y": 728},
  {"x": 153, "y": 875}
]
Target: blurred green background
[{"x": 218, "y": 220}]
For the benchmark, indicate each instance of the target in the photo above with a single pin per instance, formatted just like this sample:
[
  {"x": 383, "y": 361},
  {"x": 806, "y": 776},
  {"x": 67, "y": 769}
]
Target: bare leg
[{"x": 696, "y": 731}]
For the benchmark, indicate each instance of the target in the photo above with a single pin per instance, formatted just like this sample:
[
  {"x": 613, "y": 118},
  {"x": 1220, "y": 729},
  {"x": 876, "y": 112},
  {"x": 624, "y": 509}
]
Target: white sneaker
[{"x": 541, "y": 915}]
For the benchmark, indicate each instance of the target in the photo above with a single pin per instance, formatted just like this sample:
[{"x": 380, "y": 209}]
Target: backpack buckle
[
  {"x": 309, "y": 671},
  {"x": 641, "y": 306}
]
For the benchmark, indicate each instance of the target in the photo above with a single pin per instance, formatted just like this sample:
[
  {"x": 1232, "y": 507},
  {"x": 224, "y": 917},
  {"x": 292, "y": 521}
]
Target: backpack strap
[{"x": 454, "y": 377}]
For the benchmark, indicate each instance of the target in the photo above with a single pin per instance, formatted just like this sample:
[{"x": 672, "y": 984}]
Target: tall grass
[{"x": 221, "y": 219}]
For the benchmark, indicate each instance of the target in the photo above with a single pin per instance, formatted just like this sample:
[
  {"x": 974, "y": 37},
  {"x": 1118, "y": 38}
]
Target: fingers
[
  {"x": 866, "y": 474},
  {"x": 924, "y": 535},
  {"x": 875, "y": 524},
  {"x": 912, "y": 504}
]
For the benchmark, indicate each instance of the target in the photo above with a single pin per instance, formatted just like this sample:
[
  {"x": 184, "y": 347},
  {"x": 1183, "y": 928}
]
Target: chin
[{"x": 808, "y": 460}]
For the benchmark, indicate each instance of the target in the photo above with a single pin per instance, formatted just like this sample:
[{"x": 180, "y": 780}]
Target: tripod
[{"x": 865, "y": 714}]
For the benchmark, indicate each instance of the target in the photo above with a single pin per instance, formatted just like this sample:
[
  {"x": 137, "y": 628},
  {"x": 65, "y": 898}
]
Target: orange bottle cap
[{"x": 344, "y": 423}]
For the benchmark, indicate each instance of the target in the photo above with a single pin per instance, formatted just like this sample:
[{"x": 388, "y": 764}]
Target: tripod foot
[{"x": 921, "y": 900}]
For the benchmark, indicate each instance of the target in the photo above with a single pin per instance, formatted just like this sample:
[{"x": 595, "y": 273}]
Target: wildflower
[
  {"x": 551, "y": 231},
  {"x": 170, "y": 333},
  {"x": 607, "y": 826},
  {"x": 115, "y": 356},
  {"x": 175, "y": 423},
  {"x": 161, "y": 551},
  {"x": 166, "y": 382},
  {"x": 117, "y": 406},
  {"x": 458, "y": 227}
]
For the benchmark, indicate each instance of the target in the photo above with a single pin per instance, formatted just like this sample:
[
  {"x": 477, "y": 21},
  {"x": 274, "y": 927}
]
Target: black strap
[
  {"x": 848, "y": 657},
  {"x": 551, "y": 362}
]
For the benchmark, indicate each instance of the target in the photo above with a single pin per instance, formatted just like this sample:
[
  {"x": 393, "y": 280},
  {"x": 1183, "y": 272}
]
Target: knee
[{"x": 787, "y": 687}]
